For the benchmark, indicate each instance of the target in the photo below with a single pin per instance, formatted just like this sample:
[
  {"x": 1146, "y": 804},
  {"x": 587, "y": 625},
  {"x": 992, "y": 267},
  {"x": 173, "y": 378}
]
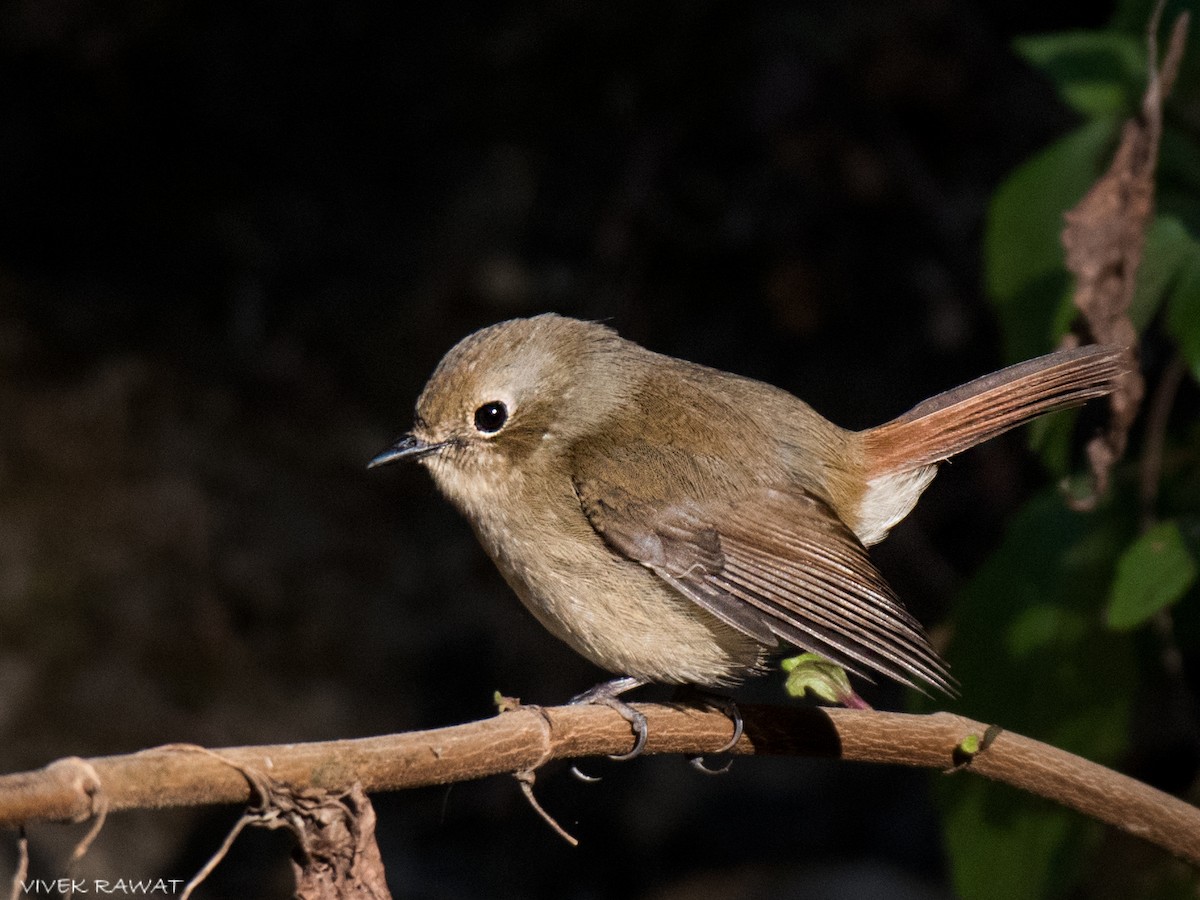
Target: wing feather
[{"x": 773, "y": 564}]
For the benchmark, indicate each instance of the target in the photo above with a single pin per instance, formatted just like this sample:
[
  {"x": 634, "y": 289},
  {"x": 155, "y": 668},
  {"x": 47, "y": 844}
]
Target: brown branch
[{"x": 524, "y": 738}]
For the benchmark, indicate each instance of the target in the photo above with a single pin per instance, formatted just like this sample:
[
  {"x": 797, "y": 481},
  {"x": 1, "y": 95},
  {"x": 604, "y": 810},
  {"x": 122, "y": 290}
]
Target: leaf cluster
[{"x": 1083, "y": 627}]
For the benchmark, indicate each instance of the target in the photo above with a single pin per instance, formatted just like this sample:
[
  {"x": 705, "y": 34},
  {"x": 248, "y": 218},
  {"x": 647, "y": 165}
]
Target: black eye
[{"x": 491, "y": 417}]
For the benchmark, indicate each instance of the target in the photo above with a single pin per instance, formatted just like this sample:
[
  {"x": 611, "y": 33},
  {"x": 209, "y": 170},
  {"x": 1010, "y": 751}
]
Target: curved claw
[
  {"x": 735, "y": 715},
  {"x": 584, "y": 777},
  {"x": 728, "y": 706},
  {"x": 636, "y": 721},
  {"x": 697, "y": 763},
  {"x": 722, "y": 703},
  {"x": 607, "y": 694}
]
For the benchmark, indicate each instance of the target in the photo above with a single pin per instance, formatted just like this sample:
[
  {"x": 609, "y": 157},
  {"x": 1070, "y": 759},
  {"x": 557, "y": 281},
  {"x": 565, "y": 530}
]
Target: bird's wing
[{"x": 773, "y": 564}]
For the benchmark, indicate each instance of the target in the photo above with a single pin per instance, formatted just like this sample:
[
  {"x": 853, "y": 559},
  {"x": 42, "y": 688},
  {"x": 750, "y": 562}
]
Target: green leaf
[
  {"x": 1032, "y": 655},
  {"x": 1183, "y": 313},
  {"x": 1179, "y": 173},
  {"x": 1097, "y": 73},
  {"x": 1028, "y": 647},
  {"x": 826, "y": 680},
  {"x": 1052, "y": 439},
  {"x": 1022, "y": 250},
  {"x": 1152, "y": 574},
  {"x": 970, "y": 744},
  {"x": 1006, "y": 844},
  {"x": 1168, "y": 251}
]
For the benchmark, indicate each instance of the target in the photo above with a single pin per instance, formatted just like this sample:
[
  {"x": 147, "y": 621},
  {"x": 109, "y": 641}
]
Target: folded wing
[{"x": 773, "y": 564}]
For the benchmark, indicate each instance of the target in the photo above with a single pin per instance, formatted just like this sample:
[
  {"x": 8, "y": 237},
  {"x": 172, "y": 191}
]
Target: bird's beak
[{"x": 408, "y": 447}]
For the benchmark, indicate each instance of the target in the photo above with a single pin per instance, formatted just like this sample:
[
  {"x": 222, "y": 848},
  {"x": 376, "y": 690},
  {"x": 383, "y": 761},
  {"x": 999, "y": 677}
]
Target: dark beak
[{"x": 408, "y": 447}]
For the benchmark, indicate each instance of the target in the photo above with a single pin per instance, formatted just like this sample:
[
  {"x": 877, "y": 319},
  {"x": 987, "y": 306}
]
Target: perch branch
[{"x": 519, "y": 740}]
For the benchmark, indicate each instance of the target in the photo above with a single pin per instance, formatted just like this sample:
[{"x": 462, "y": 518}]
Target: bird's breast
[{"x": 611, "y": 610}]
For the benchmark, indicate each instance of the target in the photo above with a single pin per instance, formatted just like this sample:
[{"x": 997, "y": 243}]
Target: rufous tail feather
[{"x": 989, "y": 406}]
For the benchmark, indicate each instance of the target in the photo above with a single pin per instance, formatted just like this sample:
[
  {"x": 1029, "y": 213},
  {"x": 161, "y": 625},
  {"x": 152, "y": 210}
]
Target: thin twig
[
  {"x": 19, "y": 876},
  {"x": 215, "y": 860},
  {"x": 1149, "y": 482},
  {"x": 527, "y": 779}
]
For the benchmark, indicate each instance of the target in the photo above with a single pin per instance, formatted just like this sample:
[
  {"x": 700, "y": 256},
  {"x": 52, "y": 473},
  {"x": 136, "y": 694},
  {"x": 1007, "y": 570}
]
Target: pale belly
[{"x": 615, "y": 612}]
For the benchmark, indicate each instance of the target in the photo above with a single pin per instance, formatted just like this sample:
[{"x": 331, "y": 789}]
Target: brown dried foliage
[{"x": 1104, "y": 237}]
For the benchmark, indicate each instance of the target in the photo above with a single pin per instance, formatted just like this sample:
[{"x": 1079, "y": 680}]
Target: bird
[{"x": 677, "y": 524}]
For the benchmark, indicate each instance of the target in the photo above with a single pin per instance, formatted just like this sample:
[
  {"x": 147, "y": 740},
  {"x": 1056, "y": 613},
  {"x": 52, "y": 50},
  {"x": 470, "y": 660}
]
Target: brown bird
[{"x": 674, "y": 523}]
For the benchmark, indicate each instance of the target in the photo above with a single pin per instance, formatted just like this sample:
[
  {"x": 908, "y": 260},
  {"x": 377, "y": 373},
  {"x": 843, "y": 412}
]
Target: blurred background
[{"x": 234, "y": 241}]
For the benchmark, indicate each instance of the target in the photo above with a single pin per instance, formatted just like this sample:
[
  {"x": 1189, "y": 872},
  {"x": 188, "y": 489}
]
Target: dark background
[{"x": 235, "y": 239}]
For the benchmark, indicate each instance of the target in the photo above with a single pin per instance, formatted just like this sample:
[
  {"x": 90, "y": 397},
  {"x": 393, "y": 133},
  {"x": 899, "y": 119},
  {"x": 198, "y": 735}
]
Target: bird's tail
[{"x": 989, "y": 406}]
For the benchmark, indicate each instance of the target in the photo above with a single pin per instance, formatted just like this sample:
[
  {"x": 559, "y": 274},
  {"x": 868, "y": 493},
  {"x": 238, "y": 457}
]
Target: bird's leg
[
  {"x": 727, "y": 705},
  {"x": 608, "y": 694}
]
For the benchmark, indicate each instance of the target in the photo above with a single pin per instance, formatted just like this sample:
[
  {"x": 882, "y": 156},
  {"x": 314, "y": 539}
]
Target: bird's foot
[
  {"x": 727, "y": 705},
  {"x": 608, "y": 694}
]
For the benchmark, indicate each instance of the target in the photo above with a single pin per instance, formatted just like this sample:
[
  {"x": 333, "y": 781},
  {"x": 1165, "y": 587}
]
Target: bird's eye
[{"x": 491, "y": 417}]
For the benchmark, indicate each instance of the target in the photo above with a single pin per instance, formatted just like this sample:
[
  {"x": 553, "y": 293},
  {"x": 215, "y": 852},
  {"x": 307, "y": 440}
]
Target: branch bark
[{"x": 528, "y": 737}]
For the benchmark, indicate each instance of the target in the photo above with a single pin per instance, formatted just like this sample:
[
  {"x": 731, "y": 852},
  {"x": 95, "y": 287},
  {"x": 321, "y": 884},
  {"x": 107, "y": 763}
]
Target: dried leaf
[
  {"x": 338, "y": 857},
  {"x": 1104, "y": 238}
]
